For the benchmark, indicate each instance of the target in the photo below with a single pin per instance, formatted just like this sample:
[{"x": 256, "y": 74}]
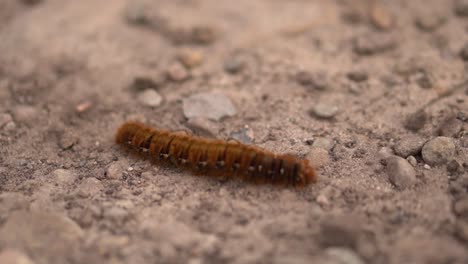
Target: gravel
[
  {"x": 430, "y": 22},
  {"x": 190, "y": 58},
  {"x": 316, "y": 80},
  {"x": 318, "y": 157},
  {"x": 203, "y": 127},
  {"x": 234, "y": 65},
  {"x": 150, "y": 98},
  {"x": 358, "y": 76},
  {"x": 450, "y": 127},
  {"x": 177, "y": 72},
  {"x": 438, "y": 151},
  {"x": 400, "y": 172},
  {"x": 410, "y": 145},
  {"x": 210, "y": 105},
  {"x": 5, "y": 118},
  {"x": 64, "y": 177},
  {"x": 324, "y": 143},
  {"x": 244, "y": 135},
  {"x": 338, "y": 255},
  {"x": 325, "y": 110}
]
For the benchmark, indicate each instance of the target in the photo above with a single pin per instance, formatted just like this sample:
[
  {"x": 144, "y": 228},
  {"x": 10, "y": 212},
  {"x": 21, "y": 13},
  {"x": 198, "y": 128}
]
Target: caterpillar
[{"x": 216, "y": 157}]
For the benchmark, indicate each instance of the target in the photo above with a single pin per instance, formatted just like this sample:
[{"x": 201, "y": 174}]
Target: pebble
[
  {"x": 454, "y": 168},
  {"x": 424, "y": 79},
  {"x": 177, "y": 72},
  {"x": 25, "y": 114},
  {"x": 203, "y": 127},
  {"x": 464, "y": 52},
  {"x": 381, "y": 16},
  {"x": 461, "y": 230},
  {"x": 317, "y": 80},
  {"x": 89, "y": 187},
  {"x": 116, "y": 169},
  {"x": 414, "y": 122},
  {"x": 340, "y": 255},
  {"x": 400, "y": 172},
  {"x": 384, "y": 153},
  {"x": 64, "y": 177},
  {"x": 244, "y": 135},
  {"x": 426, "y": 167},
  {"x": 325, "y": 111},
  {"x": 14, "y": 256},
  {"x": 324, "y": 143},
  {"x": 438, "y": 151},
  {"x": 412, "y": 160},
  {"x": 461, "y": 208},
  {"x": 190, "y": 58},
  {"x": 203, "y": 34},
  {"x": 43, "y": 233},
  {"x": 371, "y": 44},
  {"x": 67, "y": 140},
  {"x": 234, "y": 65},
  {"x": 358, "y": 76},
  {"x": 210, "y": 105},
  {"x": 5, "y": 118},
  {"x": 461, "y": 7},
  {"x": 149, "y": 97},
  {"x": 83, "y": 106},
  {"x": 450, "y": 127},
  {"x": 318, "y": 157},
  {"x": 410, "y": 145},
  {"x": 430, "y": 22}
]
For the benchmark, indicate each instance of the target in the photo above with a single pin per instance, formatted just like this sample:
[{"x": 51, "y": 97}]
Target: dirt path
[{"x": 341, "y": 83}]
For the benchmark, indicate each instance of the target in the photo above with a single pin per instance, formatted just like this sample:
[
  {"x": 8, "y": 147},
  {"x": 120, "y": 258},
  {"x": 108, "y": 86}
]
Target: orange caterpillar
[{"x": 217, "y": 157}]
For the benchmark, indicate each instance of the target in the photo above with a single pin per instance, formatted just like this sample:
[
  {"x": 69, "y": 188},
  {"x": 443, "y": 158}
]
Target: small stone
[
  {"x": 429, "y": 21},
  {"x": 234, "y": 64},
  {"x": 322, "y": 200},
  {"x": 89, "y": 187},
  {"x": 341, "y": 255},
  {"x": 25, "y": 114},
  {"x": 324, "y": 143},
  {"x": 67, "y": 140},
  {"x": 177, "y": 73},
  {"x": 116, "y": 169},
  {"x": 464, "y": 52},
  {"x": 149, "y": 97},
  {"x": 426, "y": 167},
  {"x": 190, "y": 58},
  {"x": 318, "y": 80},
  {"x": 461, "y": 230},
  {"x": 83, "y": 106},
  {"x": 450, "y": 127},
  {"x": 63, "y": 177},
  {"x": 424, "y": 79},
  {"x": 210, "y": 105},
  {"x": 203, "y": 127},
  {"x": 410, "y": 145},
  {"x": 461, "y": 7},
  {"x": 384, "y": 153},
  {"x": 203, "y": 35},
  {"x": 381, "y": 16},
  {"x": 244, "y": 135},
  {"x": 453, "y": 167},
  {"x": 461, "y": 208},
  {"x": 10, "y": 126},
  {"x": 371, "y": 44},
  {"x": 416, "y": 121},
  {"x": 412, "y": 160},
  {"x": 358, "y": 76},
  {"x": 318, "y": 157},
  {"x": 325, "y": 111},
  {"x": 5, "y": 118},
  {"x": 438, "y": 151},
  {"x": 400, "y": 172},
  {"x": 14, "y": 256}
]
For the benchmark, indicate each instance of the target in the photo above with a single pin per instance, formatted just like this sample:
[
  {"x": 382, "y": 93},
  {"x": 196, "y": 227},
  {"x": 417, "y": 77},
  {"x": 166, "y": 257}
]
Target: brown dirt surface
[{"x": 347, "y": 84}]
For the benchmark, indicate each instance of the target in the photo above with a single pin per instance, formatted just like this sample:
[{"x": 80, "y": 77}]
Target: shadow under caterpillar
[{"x": 217, "y": 157}]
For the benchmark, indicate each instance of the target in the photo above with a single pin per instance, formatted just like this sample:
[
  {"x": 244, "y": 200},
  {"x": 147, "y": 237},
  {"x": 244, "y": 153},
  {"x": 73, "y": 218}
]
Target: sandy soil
[{"x": 357, "y": 87}]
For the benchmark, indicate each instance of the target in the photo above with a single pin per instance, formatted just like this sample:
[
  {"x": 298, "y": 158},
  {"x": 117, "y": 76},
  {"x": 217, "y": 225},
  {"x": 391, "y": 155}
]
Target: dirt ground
[{"x": 363, "y": 89}]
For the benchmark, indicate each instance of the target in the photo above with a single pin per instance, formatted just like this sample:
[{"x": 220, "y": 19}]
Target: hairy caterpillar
[{"x": 217, "y": 157}]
